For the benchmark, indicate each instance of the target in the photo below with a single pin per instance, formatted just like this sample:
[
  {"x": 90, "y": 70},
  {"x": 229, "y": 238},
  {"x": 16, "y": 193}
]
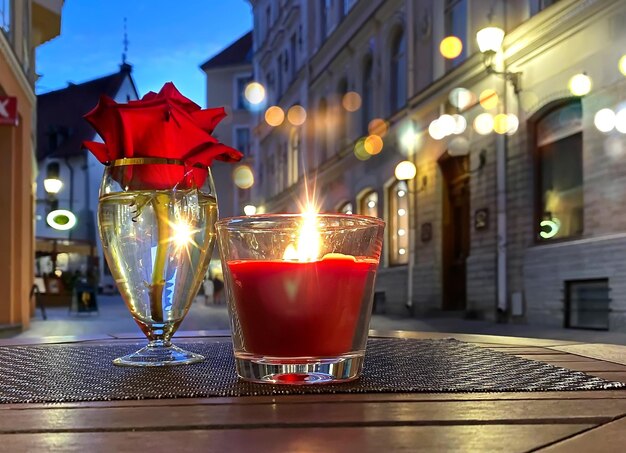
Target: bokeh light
[
  {"x": 254, "y": 93},
  {"x": 274, "y": 116},
  {"x": 513, "y": 124},
  {"x": 488, "y": 99},
  {"x": 620, "y": 121},
  {"x": 451, "y": 47},
  {"x": 351, "y": 101},
  {"x": 378, "y": 127},
  {"x": 435, "y": 130},
  {"x": 622, "y": 65},
  {"x": 483, "y": 123},
  {"x": 405, "y": 170},
  {"x": 243, "y": 177},
  {"x": 580, "y": 84},
  {"x": 460, "y": 124},
  {"x": 249, "y": 209},
  {"x": 604, "y": 120},
  {"x": 614, "y": 147},
  {"x": 461, "y": 98},
  {"x": 501, "y": 123},
  {"x": 359, "y": 150},
  {"x": 373, "y": 145},
  {"x": 458, "y": 146},
  {"x": 296, "y": 115},
  {"x": 447, "y": 124}
]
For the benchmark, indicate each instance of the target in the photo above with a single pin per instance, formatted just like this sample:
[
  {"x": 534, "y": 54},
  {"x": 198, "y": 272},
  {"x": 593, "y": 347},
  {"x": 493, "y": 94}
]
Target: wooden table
[{"x": 547, "y": 421}]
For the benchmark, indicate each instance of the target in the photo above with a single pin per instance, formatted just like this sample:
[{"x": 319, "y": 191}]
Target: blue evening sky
[{"x": 168, "y": 41}]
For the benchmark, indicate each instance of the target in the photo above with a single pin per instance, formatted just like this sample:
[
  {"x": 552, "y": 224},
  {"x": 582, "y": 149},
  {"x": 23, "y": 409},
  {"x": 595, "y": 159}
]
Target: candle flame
[{"x": 308, "y": 242}]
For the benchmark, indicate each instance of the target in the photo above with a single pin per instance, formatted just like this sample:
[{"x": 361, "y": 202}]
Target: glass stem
[
  {"x": 159, "y": 344},
  {"x": 160, "y": 204}
]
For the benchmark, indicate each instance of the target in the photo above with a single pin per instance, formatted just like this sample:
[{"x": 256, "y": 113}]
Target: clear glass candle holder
[{"x": 300, "y": 290}]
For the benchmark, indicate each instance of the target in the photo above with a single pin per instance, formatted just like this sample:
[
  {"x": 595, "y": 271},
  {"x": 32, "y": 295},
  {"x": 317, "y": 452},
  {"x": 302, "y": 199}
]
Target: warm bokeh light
[
  {"x": 622, "y": 65},
  {"x": 447, "y": 124},
  {"x": 483, "y": 123},
  {"x": 451, "y": 47},
  {"x": 243, "y": 177},
  {"x": 296, "y": 115},
  {"x": 254, "y": 93},
  {"x": 405, "y": 170},
  {"x": 513, "y": 121},
  {"x": 274, "y": 116},
  {"x": 435, "y": 130},
  {"x": 52, "y": 185},
  {"x": 604, "y": 120},
  {"x": 249, "y": 209},
  {"x": 458, "y": 146},
  {"x": 620, "y": 121},
  {"x": 378, "y": 127},
  {"x": 351, "y": 101},
  {"x": 460, "y": 124},
  {"x": 488, "y": 99},
  {"x": 490, "y": 39},
  {"x": 373, "y": 145},
  {"x": 359, "y": 150},
  {"x": 461, "y": 98},
  {"x": 501, "y": 123},
  {"x": 580, "y": 84}
]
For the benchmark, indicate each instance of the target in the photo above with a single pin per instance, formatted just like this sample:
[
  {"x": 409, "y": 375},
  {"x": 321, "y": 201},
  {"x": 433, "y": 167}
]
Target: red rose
[{"x": 160, "y": 125}]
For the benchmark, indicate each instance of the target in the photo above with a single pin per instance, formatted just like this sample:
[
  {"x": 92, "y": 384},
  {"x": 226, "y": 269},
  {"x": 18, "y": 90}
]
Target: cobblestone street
[{"x": 114, "y": 319}]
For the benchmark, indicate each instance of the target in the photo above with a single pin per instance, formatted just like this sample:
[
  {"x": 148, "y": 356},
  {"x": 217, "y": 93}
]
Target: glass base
[
  {"x": 299, "y": 370},
  {"x": 159, "y": 353}
]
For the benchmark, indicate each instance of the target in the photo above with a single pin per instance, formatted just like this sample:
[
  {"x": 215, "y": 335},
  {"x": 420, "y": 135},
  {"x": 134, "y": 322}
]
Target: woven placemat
[{"x": 66, "y": 373}]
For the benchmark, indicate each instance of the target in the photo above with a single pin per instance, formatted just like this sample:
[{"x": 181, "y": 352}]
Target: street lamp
[
  {"x": 490, "y": 43},
  {"x": 405, "y": 170},
  {"x": 249, "y": 209},
  {"x": 52, "y": 184}
]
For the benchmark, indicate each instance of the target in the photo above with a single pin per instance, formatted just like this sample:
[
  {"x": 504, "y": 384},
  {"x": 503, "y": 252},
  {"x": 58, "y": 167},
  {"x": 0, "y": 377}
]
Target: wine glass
[{"x": 156, "y": 219}]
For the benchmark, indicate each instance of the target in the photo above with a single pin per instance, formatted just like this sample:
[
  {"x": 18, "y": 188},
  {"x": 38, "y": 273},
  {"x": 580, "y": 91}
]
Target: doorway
[{"x": 455, "y": 230}]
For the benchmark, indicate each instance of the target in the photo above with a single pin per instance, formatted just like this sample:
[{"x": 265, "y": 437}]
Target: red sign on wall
[{"x": 8, "y": 110}]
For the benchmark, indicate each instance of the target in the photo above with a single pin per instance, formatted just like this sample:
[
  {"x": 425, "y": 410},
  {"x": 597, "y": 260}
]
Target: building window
[
  {"x": 398, "y": 223},
  {"x": 268, "y": 19},
  {"x": 325, "y": 10},
  {"x": 559, "y": 167},
  {"x": 292, "y": 49},
  {"x": 322, "y": 130},
  {"x": 5, "y": 16},
  {"x": 539, "y": 5},
  {"x": 397, "y": 81},
  {"x": 368, "y": 204},
  {"x": 240, "y": 88},
  {"x": 368, "y": 90},
  {"x": 346, "y": 208},
  {"x": 343, "y": 123},
  {"x": 587, "y": 304},
  {"x": 346, "y": 6},
  {"x": 280, "y": 75},
  {"x": 294, "y": 153},
  {"x": 456, "y": 25},
  {"x": 242, "y": 140}
]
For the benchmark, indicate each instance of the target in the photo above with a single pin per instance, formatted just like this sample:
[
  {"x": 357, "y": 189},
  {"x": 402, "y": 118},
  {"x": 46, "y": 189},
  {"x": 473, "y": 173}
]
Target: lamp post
[{"x": 490, "y": 43}]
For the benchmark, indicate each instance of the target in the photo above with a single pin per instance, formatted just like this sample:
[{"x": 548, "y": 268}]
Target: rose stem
[{"x": 160, "y": 204}]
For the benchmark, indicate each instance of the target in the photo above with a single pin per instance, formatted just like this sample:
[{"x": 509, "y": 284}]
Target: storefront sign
[{"x": 8, "y": 110}]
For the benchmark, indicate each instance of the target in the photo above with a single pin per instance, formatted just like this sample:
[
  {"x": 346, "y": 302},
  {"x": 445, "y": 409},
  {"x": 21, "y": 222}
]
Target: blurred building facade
[
  {"x": 227, "y": 75},
  {"x": 24, "y": 25},
  {"x": 61, "y": 130},
  {"x": 524, "y": 224}
]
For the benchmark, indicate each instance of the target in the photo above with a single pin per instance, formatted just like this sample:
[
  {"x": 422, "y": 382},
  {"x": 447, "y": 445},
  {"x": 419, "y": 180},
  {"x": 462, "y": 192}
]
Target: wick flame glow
[{"x": 309, "y": 240}]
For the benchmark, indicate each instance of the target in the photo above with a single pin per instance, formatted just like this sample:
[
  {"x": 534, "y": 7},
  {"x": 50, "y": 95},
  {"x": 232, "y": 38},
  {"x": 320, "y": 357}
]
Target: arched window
[
  {"x": 398, "y": 216},
  {"x": 322, "y": 130},
  {"x": 294, "y": 153},
  {"x": 398, "y": 76},
  {"x": 368, "y": 204},
  {"x": 346, "y": 208},
  {"x": 367, "y": 110},
  {"x": 343, "y": 123},
  {"x": 559, "y": 165}
]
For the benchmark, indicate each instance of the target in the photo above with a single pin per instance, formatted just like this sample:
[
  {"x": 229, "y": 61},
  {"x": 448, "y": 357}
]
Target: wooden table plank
[
  {"x": 618, "y": 376},
  {"x": 608, "y": 352},
  {"x": 315, "y": 414},
  {"x": 608, "y": 437},
  {"x": 509, "y": 438}
]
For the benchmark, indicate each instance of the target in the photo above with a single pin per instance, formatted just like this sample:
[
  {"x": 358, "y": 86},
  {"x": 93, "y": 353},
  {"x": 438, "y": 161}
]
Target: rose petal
[
  {"x": 219, "y": 151},
  {"x": 170, "y": 93},
  {"x": 208, "y": 119},
  {"x": 106, "y": 121},
  {"x": 99, "y": 150}
]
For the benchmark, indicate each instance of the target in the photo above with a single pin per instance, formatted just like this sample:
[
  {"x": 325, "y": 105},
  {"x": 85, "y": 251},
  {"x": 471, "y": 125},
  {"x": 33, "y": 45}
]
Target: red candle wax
[{"x": 300, "y": 309}]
